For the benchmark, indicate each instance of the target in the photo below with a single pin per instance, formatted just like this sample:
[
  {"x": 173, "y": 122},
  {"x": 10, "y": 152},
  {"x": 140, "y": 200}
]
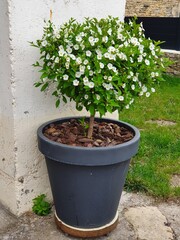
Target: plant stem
[{"x": 90, "y": 129}]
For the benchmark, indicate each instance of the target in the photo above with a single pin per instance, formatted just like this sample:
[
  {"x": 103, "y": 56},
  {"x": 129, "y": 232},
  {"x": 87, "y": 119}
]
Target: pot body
[{"x": 87, "y": 183}]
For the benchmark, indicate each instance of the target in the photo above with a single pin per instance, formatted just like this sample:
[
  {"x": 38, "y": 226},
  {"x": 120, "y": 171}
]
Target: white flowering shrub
[{"x": 103, "y": 65}]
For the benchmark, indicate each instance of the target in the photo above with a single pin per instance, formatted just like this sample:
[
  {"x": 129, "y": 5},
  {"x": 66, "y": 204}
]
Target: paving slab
[
  {"x": 33, "y": 227},
  {"x": 149, "y": 223},
  {"x": 6, "y": 219}
]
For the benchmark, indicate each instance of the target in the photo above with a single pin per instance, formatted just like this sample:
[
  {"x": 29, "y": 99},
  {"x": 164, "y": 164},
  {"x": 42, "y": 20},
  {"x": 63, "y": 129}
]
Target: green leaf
[
  {"x": 44, "y": 75},
  {"x": 44, "y": 86},
  {"x": 64, "y": 99},
  {"x": 101, "y": 109},
  {"x": 40, "y": 206},
  {"x": 92, "y": 110},
  {"x": 57, "y": 103},
  {"x": 55, "y": 94},
  {"x": 37, "y": 84}
]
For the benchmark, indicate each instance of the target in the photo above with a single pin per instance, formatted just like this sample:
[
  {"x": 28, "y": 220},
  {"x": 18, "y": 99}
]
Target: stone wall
[
  {"x": 157, "y": 8},
  {"x": 153, "y": 8},
  {"x": 175, "y": 57}
]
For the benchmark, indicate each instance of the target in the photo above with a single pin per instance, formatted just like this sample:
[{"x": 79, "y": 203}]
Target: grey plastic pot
[{"x": 87, "y": 183}]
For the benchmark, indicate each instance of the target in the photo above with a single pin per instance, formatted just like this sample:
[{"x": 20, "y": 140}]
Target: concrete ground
[{"x": 140, "y": 218}]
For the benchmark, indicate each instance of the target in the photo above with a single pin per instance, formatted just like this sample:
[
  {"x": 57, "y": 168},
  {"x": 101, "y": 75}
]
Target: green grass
[{"x": 159, "y": 153}]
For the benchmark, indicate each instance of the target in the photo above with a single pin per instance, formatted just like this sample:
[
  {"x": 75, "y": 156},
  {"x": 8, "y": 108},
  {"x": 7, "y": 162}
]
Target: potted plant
[{"x": 101, "y": 65}]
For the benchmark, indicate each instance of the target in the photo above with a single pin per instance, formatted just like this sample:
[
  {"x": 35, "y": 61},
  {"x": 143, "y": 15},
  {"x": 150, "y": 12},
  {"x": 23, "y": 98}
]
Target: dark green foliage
[{"x": 40, "y": 206}]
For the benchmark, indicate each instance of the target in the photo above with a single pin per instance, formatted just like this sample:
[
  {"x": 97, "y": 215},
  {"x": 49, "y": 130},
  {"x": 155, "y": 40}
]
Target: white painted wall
[
  {"x": 7, "y": 154},
  {"x": 22, "y": 107}
]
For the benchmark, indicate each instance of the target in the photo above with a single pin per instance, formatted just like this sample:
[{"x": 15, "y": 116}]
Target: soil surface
[{"x": 74, "y": 133}]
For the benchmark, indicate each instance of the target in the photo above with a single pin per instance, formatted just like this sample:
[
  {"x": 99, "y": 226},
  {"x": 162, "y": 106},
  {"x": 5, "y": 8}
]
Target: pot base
[{"x": 89, "y": 232}]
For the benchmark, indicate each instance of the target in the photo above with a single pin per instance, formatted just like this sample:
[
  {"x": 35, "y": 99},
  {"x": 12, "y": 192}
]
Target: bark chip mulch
[{"x": 74, "y": 134}]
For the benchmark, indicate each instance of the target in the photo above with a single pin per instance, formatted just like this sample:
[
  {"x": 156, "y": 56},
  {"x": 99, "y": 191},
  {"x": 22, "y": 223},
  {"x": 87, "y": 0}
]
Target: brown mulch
[{"x": 74, "y": 134}]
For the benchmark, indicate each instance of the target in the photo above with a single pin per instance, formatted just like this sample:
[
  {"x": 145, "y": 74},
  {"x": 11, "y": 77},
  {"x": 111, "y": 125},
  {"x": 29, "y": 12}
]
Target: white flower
[
  {"x": 76, "y": 46},
  {"x": 141, "y": 93},
  {"x": 65, "y": 77},
  {"x": 99, "y": 30},
  {"x": 140, "y": 58},
  {"x": 96, "y": 39},
  {"x": 101, "y": 65},
  {"x": 131, "y": 60},
  {"x": 91, "y": 39},
  {"x": 111, "y": 49},
  {"x": 78, "y": 60},
  {"x": 86, "y": 96},
  {"x": 85, "y": 81},
  {"x": 147, "y": 94},
  {"x": 98, "y": 52},
  {"x": 121, "y": 37},
  {"x": 147, "y": 62},
  {"x": 141, "y": 48},
  {"x": 153, "y": 90},
  {"x": 99, "y": 56},
  {"x": 88, "y": 53},
  {"x": 126, "y": 44},
  {"x": 121, "y": 98},
  {"x": 85, "y": 62},
  {"x": 132, "y": 86},
  {"x": 109, "y": 31},
  {"x": 131, "y": 73},
  {"x": 132, "y": 100},
  {"x": 78, "y": 38},
  {"x": 56, "y": 60},
  {"x": 68, "y": 59},
  {"x": 82, "y": 69},
  {"x": 152, "y": 74},
  {"x": 110, "y": 66},
  {"x": 82, "y": 46},
  {"x": 82, "y": 34},
  {"x": 134, "y": 41},
  {"x": 114, "y": 69},
  {"x": 153, "y": 52},
  {"x": 106, "y": 55},
  {"x": 107, "y": 86},
  {"x": 157, "y": 74},
  {"x": 47, "y": 56},
  {"x": 72, "y": 56},
  {"x": 140, "y": 84},
  {"x": 88, "y": 67},
  {"x": 61, "y": 52},
  {"x": 135, "y": 79},
  {"x": 61, "y": 47},
  {"x": 44, "y": 43},
  {"x": 69, "y": 50},
  {"x": 112, "y": 57},
  {"x": 110, "y": 78},
  {"x": 91, "y": 73},
  {"x": 75, "y": 82},
  {"x": 90, "y": 84},
  {"x": 127, "y": 106},
  {"x": 151, "y": 47},
  {"x": 105, "y": 39},
  {"x": 67, "y": 65},
  {"x": 124, "y": 85},
  {"x": 97, "y": 97},
  {"x": 122, "y": 56},
  {"x": 78, "y": 74},
  {"x": 144, "y": 88}
]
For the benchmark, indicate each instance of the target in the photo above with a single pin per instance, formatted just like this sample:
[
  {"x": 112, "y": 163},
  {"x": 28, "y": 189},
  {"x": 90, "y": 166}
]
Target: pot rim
[{"x": 122, "y": 145}]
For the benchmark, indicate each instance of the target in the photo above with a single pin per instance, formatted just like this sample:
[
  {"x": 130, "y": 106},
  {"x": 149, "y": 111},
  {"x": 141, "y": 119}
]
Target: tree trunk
[{"x": 90, "y": 129}]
